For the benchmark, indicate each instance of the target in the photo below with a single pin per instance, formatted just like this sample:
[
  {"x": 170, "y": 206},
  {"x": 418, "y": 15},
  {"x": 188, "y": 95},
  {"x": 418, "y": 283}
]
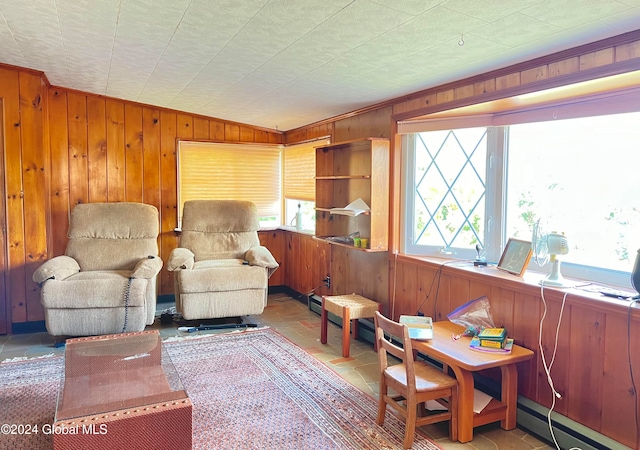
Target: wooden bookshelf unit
[{"x": 346, "y": 171}]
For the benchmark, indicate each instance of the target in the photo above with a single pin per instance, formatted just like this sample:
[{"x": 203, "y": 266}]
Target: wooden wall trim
[
  {"x": 35, "y": 72},
  {"x": 520, "y": 89},
  {"x": 525, "y": 66},
  {"x": 619, "y": 48}
]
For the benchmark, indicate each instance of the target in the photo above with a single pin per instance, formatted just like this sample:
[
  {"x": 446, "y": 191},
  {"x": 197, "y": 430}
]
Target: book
[
  {"x": 492, "y": 337},
  {"x": 475, "y": 345},
  {"x": 493, "y": 334},
  {"x": 355, "y": 208},
  {"x": 420, "y": 327},
  {"x": 491, "y": 343}
]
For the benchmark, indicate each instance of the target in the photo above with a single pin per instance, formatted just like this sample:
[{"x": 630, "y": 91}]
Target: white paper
[
  {"x": 354, "y": 208},
  {"x": 433, "y": 405},
  {"x": 480, "y": 401}
]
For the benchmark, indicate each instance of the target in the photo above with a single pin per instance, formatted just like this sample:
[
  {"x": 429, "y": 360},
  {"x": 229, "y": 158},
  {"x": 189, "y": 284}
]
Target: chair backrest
[
  {"x": 112, "y": 236},
  {"x": 219, "y": 229},
  {"x": 400, "y": 333}
]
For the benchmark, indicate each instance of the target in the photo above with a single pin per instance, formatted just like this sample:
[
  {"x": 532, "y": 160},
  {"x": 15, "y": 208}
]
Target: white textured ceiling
[{"x": 287, "y": 63}]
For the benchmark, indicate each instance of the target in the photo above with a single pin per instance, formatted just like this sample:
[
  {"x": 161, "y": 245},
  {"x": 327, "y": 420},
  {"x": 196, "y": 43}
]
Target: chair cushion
[
  {"x": 112, "y": 236},
  {"x": 220, "y": 276},
  {"x": 209, "y": 263},
  {"x": 219, "y": 229},
  {"x": 94, "y": 289},
  {"x": 219, "y": 216},
  {"x": 218, "y": 245}
]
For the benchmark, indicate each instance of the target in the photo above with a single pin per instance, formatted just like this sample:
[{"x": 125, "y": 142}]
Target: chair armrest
[
  {"x": 147, "y": 268},
  {"x": 261, "y": 256},
  {"x": 180, "y": 258},
  {"x": 59, "y": 267}
]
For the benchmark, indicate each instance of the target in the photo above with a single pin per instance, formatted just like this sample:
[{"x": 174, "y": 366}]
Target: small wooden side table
[
  {"x": 350, "y": 307},
  {"x": 464, "y": 362}
]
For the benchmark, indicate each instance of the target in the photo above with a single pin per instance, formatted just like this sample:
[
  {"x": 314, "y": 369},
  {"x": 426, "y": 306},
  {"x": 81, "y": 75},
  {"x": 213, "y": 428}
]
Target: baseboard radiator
[{"x": 531, "y": 416}]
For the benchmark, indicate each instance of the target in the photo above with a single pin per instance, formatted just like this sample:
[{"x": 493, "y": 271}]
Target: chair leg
[
  {"x": 422, "y": 409},
  {"x": 375, "y": 341},
  {"x": 410, "y": 425},
  {"x": 354, "y": 328},
  {"x": 453, "y": 409},
  {"x": 382, "y": 406},
  {"x": 346, "y": 328},
  {"x": 323, "y": 324}
]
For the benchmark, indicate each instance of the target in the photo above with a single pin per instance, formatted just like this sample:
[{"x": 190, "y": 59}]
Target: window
[
  {"x": 209, "y": 170},
  {"x": 572, "y": 168},
  {"x": 307, "y": 210},
  {"x": 299, "y": 163},
  {"x": 582, "y": 180},
  {"x": 447, "y": 199}
]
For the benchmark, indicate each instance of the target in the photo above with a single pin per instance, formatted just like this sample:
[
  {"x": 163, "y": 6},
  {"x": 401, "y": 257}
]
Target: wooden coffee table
[{"x": 121, "y": 391}]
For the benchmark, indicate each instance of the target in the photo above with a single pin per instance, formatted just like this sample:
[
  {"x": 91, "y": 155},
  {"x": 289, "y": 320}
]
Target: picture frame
[{"x": 515, "y": 257}]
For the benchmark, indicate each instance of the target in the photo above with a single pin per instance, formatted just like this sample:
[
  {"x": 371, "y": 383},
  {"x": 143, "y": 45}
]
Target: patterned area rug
[{"x": 251, "y": 390}]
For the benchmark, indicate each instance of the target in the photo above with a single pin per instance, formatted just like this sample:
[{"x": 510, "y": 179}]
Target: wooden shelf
[
  {"x": 342, "y": 244},
  {"x": 494, "y": 411},
  {"x": 343, "y": 215},
  {"x": 346, "y": 171},
  {"x": 345, "y": 177}
]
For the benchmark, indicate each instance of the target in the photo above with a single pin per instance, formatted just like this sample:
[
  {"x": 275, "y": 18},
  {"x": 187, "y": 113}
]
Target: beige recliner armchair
[
  {"x": 220, "y": 268},
  {"x": 106, "y": 281}
]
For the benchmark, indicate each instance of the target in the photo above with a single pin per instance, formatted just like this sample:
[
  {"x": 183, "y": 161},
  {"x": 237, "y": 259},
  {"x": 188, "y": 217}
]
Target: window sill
[
  {"x": 528, "y": 284},
  {"x": 178, "y": 231},
  {"x": 292, "y": 229}
]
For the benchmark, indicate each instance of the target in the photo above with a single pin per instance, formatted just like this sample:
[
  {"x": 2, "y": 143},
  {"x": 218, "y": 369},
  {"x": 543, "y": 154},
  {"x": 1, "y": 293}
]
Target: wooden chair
[{"x": 414, "y": 381}]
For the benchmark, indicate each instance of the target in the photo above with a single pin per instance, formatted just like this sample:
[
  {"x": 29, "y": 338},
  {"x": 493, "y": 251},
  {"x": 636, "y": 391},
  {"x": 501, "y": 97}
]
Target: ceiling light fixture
[{"x": 461, "y": 41}]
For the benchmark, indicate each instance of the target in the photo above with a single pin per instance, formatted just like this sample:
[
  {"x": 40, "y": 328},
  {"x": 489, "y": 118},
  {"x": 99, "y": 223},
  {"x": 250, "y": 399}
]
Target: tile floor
[{"x": 293, "y": 319}]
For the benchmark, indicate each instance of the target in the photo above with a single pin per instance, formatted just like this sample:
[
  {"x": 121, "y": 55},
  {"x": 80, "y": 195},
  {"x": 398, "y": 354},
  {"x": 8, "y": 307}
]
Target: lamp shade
[{"x": 635, "y": 273}]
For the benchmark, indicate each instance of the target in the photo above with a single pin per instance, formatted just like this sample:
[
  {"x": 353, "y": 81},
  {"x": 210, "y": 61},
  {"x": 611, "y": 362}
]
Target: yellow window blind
[
  {"x": 299, "y": 171},
  {"x": 213, "y": 171}
]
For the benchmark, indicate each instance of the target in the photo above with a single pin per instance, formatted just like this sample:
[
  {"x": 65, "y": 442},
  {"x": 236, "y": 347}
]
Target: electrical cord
[
  {"x": 127, "y": 294},
  {"x": 633, "y": 381},
  {"x": 395, "y": 277},
  {"x": 308, "y": 293},
  {"x": 438, "y": 275},
  {"x": 547, "y": 367}
]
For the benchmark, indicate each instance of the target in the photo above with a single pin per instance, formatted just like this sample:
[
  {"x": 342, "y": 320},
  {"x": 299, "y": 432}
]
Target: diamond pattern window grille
[{"x": 450, "y": 187}]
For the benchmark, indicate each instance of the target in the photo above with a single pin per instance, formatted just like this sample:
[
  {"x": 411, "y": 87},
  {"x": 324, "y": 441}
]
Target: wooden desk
[{"x": 464, "y": 361}]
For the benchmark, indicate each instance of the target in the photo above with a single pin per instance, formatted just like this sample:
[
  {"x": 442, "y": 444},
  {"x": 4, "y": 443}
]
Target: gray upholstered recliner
[
  {"x": 220, "y": 268},
  {"x": 106, "y": 281}
]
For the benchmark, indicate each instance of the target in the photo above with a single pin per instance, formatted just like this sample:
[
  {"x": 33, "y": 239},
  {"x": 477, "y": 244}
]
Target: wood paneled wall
[
  {"x": 4, "y": 322},
  {"x": 64, "y": 147},
  {"x": 26, "y": 165},
  {"x": 305, "y": 262},
  {"x": 591, "y": 367}
]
